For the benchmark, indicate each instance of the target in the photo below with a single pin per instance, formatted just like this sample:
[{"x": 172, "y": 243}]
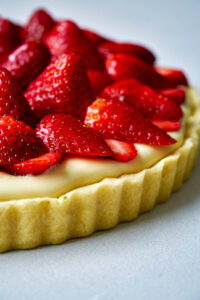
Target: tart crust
[{"x": 28, "y": 223}]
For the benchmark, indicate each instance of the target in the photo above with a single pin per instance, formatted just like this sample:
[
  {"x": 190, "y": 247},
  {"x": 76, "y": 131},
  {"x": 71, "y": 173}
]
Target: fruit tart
[{"x": 92, "y": 131}]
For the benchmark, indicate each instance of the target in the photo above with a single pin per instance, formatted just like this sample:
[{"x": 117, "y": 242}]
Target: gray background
[{"x": 158, "y": 255}]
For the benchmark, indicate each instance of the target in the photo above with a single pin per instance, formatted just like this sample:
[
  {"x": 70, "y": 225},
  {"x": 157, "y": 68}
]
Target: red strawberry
[
  {"x": 67, "y": 37},
  {"x": 9, "y": 37},
  {"x": 178, "y": 95},
  {"x": 99, "y": 80},
  {"x": 12, "y": 101},
  {"x": 63, "y": 87},
  {"x": 27, "y": 61},
  {"x": 18, "y": 141},
  {"x": 94, "y": 37},
  {"x": 39, "y": 24},
  {"x": 108, "y": 48},
  {"x": 117, "y": 120},
  {"x": 173, "y": 78},
  {"x": 123, "y": 151},
  {"x": 167, "y": 125},
  {"x": 122, "y": 66},
  {"x": 148, "y": 102},
  {"x": 34, "y": 166},
  {"x": 63, "y": 133}
]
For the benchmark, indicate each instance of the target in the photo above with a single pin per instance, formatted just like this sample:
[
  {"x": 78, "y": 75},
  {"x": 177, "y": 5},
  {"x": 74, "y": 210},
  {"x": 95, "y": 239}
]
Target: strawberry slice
[
  {"x": 62, "y": 87},
  {"x": 167, "y": 125},
  {"x": 122, "y": 66},
  {"x": 173, "y": 78},
  {"x": 18, "y": 141},
  {"x": 27, "y": 61},
  {"x": 67, "y": 37},
  {"x": 108, "y": 48},
  {"x": 123, "y": 151},
  {"x": 178, "y": 95},
  {"x": 9, "y": 37},
  {"x": 99, "y": 80},
  {"x": 12, "y": 101},
  {"x": 148, "y": 102},
  {"x": 39, "y": 24},
  {"x": 63, "y": 133},
  {"x": 117, "y": 120},
  {"x": 94, "y": 37},
  {"x": 34, "y": 166}
]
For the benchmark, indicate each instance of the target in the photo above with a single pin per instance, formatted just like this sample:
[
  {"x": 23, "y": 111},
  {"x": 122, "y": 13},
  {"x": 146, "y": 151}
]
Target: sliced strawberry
[
  {"x": 117, "y": 120},
  {"x": 178, "y": 95},
  {"x": 99, "y": 80},
  {"x": 167, "y": 125},
  {"x": 62, "y": 87},
  {"x": 12, "y": 100},
  {"x": 39, "y": 24},
  {"x": 9, "y": 37},
  {"x": 94, "y": 37},
  {"x": 122, "y": 66},
  {"x": 173, "y": 78},
  {"x": 34, "y": 166},
  {"x": 108, "y": 48},
  {"x": 67, "y": 37},
  {"x": 27, "y": 61},
  {"x": 65, "y": 134},
  {"x": 148, "y": 102},
  {"x": 123, "y": 151},
  {"x": 18, "y": 141}
]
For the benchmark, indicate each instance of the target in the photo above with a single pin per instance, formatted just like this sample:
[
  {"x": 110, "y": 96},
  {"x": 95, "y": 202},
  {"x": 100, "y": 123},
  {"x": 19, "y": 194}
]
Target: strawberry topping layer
[
  {"x": 65, "y": 134},
  {"x": 81, "y": 93}
]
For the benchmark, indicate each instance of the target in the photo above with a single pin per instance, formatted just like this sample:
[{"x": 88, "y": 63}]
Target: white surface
[{"x": 158, "y": 255}]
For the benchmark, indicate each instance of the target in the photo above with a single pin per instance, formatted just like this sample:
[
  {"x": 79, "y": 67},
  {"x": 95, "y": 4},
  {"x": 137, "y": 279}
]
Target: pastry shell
[{"x": 28, "y": 223}]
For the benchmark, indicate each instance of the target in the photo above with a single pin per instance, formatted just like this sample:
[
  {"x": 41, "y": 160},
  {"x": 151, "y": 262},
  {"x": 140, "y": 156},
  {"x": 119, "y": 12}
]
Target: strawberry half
[
  {"x": 94, "y": 37},
  {"x": 39, "y": 24},
  {"x": 148, "y": 102},
  {"x": 18, "y": 141},
  {"x": 99, "y": 80},
  {"x": 9, "y": 37},
  {"x": 172, "y": 77},
  {"x": 63, "y": 133},
  {"x": 62, "y": 87},
  {"x": 117, "y": 120},
  {"x": 67, "y": 37},
  {"x": 178, "y": 95},
  {"x": 12, "y": 101},
  {"x": 109, "y": 48},
  {"x": 123, "y": 151},
  {"x": 122, "y": 66},
  {"x": 34, "y": 166},
  {"x": 27, "y": 61},
  {"x": 167, "y": 125}
]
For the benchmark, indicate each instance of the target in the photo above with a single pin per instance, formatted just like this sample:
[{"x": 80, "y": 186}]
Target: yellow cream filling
[{"x": 76, "y": 172}]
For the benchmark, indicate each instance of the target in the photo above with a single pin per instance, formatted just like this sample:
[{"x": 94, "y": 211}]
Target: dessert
[{"x": 92, "y": 132}]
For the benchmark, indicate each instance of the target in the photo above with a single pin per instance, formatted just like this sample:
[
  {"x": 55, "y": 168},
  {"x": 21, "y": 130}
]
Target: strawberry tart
[{"x": 92, "y": 131}]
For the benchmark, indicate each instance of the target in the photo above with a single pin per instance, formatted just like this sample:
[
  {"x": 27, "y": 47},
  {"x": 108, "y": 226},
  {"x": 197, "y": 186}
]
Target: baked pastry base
[{"x": 28, "y": 223}]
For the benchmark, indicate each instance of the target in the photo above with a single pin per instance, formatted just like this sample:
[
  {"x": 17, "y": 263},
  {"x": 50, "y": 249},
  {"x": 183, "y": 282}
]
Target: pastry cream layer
[{"x": 77, "y": 172}]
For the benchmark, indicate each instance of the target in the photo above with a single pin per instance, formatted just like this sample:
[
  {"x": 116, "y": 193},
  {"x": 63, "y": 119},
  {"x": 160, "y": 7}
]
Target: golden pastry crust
[{"x": 28, "y": 223}]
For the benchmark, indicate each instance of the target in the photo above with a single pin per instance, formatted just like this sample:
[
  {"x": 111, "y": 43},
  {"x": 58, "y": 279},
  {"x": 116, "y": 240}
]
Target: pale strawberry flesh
[{"x": 123, "y": 151}]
